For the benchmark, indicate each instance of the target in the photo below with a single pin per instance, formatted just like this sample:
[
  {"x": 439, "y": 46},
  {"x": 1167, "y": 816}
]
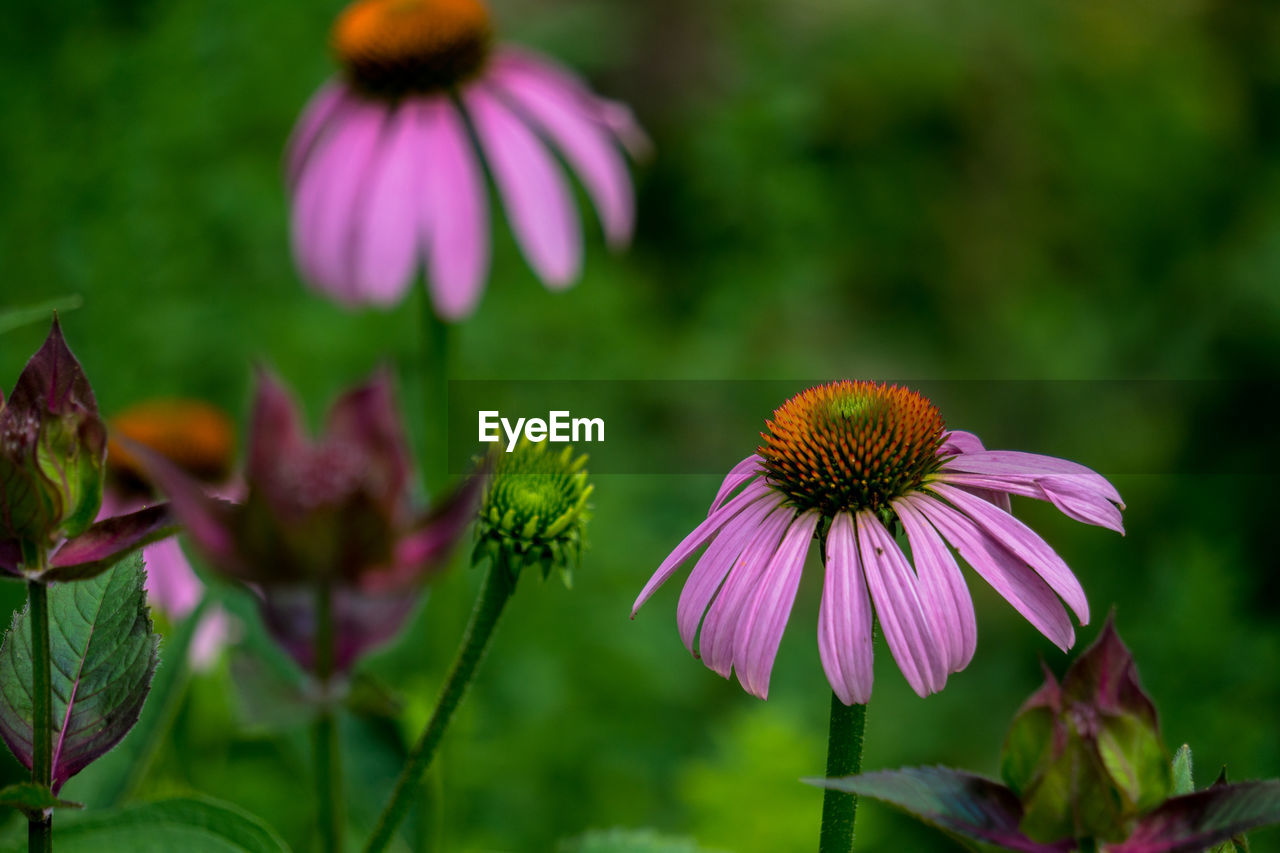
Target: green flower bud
[
  {"x": 53, "y": 448},
  {"x": 534, "y": 511},
  {"x": 1085, "y": 757}
]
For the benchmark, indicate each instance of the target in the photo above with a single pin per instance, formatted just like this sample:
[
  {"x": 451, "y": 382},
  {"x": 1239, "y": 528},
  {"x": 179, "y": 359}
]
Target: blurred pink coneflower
[
  {"x": 386, "y": 166},
  {"x": 852, "y": 462}
]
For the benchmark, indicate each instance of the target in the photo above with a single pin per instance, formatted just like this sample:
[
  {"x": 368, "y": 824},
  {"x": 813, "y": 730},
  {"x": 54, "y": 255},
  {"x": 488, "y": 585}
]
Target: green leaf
[
  {"x": 32, "y": 799},
  {"x": 103, "y": 655},
  {"x": 189, "y": 825},
  {"x": 1183, "y": 783},
  {"x": 628, "y": 841},
  {"x": 14, "y": 318}
]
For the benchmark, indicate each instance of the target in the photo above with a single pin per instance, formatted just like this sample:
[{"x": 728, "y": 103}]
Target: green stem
[
  {"x": 328, "y": 761},
  {"x": 40, "y": 832},
  {"x": 844, "y": 758},
  {"x": 484, "y": 618},
  {"x": 435, "y": 454}
]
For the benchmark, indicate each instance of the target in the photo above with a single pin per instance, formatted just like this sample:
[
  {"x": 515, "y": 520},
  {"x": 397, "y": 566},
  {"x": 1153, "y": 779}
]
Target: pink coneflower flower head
[
  {"x": 851, "y": 463},
  {"x": 386, "y": 166},
  {"x": 334, "y": 511}
]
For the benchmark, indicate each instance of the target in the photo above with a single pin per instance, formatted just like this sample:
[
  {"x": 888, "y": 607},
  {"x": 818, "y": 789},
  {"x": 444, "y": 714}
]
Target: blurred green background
[{"x": 916, "y": 189}]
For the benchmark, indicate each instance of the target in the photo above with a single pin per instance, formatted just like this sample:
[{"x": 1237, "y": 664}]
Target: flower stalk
[
  {"x": 328, "y": 760},
  {"x": 497, "y": 589},
  {"x": 844, "y": 758},
  {"x": 40, "y": 831}
]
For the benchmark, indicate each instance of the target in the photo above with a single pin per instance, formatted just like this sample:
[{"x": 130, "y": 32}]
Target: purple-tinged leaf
[
  {"x": 107, "y": 542},
  {"x": 10, "y": 556},
  {"x": 423, "y": 550},
  {"x": 1106, "y": 677},
  {"x": 103, "y": 655},
  {"x": 1192, "y": 822},
  {"x": 366, "y": 418},
  {"x": 276, "y": 435},
  {"x": 207, "y": 520},
  {"x": 361, "y": 621},
  {"x": 951, "y": 800}
]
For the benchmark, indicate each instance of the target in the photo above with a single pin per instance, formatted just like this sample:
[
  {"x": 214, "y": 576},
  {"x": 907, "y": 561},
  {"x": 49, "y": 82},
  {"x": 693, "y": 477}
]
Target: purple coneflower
[
  {"x": 384, "y": 166},
  {"x": 852, "y": 462}
]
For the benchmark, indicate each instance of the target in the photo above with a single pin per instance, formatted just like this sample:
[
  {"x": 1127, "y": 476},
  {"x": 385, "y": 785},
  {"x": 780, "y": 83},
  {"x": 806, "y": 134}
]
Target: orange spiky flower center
[
  {"x": 851, "y": 446},
  {"x": 400, "y": 47}
]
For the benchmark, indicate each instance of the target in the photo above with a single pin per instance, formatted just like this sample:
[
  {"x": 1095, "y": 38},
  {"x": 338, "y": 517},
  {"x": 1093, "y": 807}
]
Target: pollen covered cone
[
  {"x": 395, "y": 47},
  {"x": 850, "y": 463},
  {"x": 334, "y": 511},
  {"x": 851, "y": 445}
]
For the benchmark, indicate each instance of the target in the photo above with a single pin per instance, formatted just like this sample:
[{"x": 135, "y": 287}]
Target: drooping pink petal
[
  {"x": 942, "y": 587},
  {"x": 960, "y": 441},
  {"x": 1075, "y": 500},
  {"x": 764, "y": 618},
  {"x": 322, "y": 106},
  {"x": 907, "y": 628},
  {"x": 327, "y": 201},
  {"x": 614, "y": 115},
  {"x": 1008, "y": 575},
  {"x": 714, "y": 565},
  {"x": 454, "y": 210},
  {"x": 719, "y": 626},
  {"x": 586, "y": 145},
  {"x": 700, "y": 535},
  {"x": 533, "y": 190},
  {"x": 844, "y": 617},
  {"x": 1012, "y": 462},
  {"x": 737, "y": 476},
  {"x": 383, "y": 240},
  {"x": 1022, "y": 541}
]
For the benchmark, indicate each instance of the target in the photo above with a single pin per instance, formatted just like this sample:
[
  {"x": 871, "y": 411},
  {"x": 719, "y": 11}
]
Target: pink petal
[
  {"x": 327, "y": 101},
  {"x": 171, "y": 584},
  {"x": 1009, "y": 576},
  {"x": 698, "y": 538},
  {"x": 739, "y": 474},
  {"x": 587, "y": 147},
  {"x": 1076, "y": 500},
  {"x": 384, "y": 248},
  {"x": 716, "y": 641},
  {"x": 1022, "y": 541},
  {"x": 764, "y": 618},
  {"x": 327, "y": 205},
  {"x": 709, "y": 573},
  {"x": 942, "y": 588},
  {"x": 844, "y": 618},
  {"x": 533, "y": 190},
  {"x": 1012, "y": 462},
  {"x": 959, "y": 441},
  {"x": 455, "y": 211},
  {"x": 906, "y": 626}
]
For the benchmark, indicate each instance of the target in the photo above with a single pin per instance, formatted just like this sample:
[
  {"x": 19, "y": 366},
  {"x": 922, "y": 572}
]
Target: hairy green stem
[
  {"x": 844, "y": 758},
  {"x": 484, "y": 618},
  {"x": 40, "y": 832},
  {"x": 328, "y": 761}
]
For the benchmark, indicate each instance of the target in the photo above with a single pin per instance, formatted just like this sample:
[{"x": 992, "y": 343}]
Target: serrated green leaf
[
  {"x": 103, "y": 656},
  {"x": 32, "y": 799},
  {"x": 1183, "y": 781},
  {"x": 189, "y": 825}
]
